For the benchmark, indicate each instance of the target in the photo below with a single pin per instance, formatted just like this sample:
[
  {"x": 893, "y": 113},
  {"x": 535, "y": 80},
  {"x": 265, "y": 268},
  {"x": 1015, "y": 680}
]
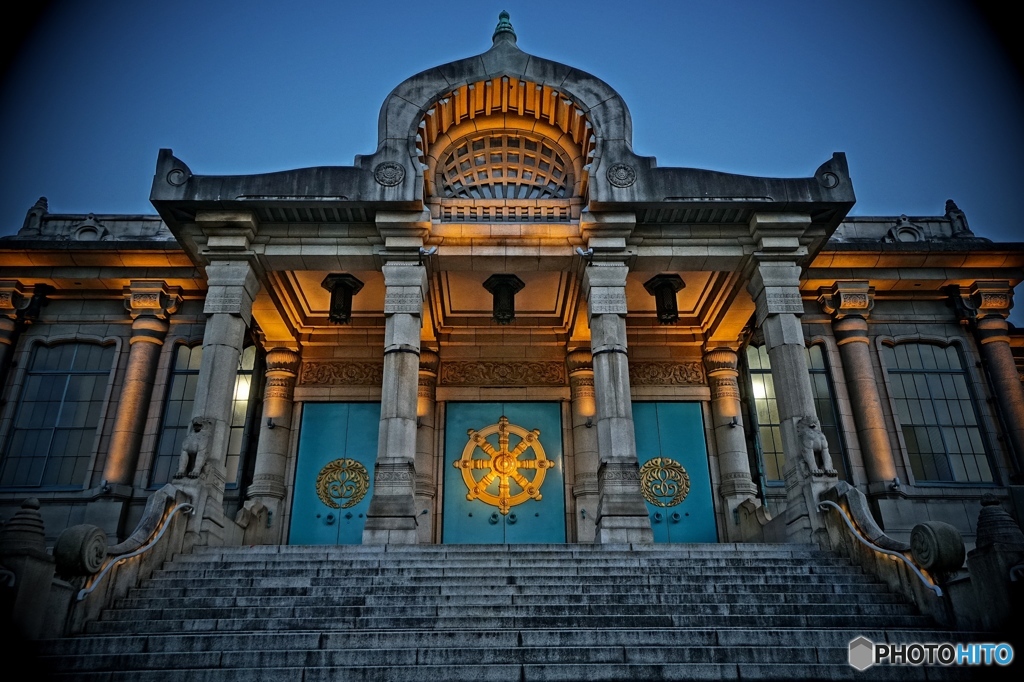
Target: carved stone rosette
[
  {"x": 665, "y": 373},
  {"x": 503, "y": 374}
]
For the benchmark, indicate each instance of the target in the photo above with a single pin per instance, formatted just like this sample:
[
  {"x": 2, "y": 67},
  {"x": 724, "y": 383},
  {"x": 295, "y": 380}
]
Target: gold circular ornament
[
  {"x": 664, "y": 482},
  {"x": 503, "y": 465},
  {"x": 342, "y": 479}
]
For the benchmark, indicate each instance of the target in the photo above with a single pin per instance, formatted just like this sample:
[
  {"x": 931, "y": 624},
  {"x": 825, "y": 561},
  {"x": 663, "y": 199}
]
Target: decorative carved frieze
[
  {"x": 403, "y": 300},
  {"x": 503, "y": 374},
  {"x": 339, "y": 373},
  {"x": 665, "y": 373},
  {"x": 984, "y": 299}
]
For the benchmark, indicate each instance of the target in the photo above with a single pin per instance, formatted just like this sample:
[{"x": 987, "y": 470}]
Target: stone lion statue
[
  {"x": 812, "y": 442},
  {"x": 195, "y": 448}
]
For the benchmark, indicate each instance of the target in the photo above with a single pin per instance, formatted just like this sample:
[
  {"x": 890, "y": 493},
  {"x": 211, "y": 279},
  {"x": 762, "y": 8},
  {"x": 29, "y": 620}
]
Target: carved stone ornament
[
  {"x": 665, "y": 373},
  {"x": 150, "y": 298},
  {"x": 389, "y": 173},
  {"x": 330, "y": 373},
  {"x": 847, "y": 298},
  {"x": 342, "y": 483},
  {"x": 503, "y": 374},
  {"x": 621, "y": 175},
  {"x": 406, "y": 300},
  {"x": 664, "y": 482},
  {"x": 607, "y": 301}
]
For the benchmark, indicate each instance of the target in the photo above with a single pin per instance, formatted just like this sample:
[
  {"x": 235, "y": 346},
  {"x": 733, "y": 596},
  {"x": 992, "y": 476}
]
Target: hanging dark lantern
[
  {"x": 504, "y": 289},
  {"x": 663, "y": 288},
  {"x": 343, "y": 288}
]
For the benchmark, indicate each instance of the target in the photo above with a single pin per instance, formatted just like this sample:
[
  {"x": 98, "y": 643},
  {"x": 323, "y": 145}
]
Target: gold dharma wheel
[{"x": 503, "y": 465}]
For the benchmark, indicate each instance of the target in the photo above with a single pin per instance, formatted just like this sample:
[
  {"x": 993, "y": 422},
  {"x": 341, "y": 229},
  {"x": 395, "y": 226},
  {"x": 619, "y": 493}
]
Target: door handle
[
  {"x": 493, "y": 518},
  {"x": 512, "y": 518},
  {"x": 329, "y": 520},
  {"x": 657, "y": 517},
  {"x": 676, "y": 517}
]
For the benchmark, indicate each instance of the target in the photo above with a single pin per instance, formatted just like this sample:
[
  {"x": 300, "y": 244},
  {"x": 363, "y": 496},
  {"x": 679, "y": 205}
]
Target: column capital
[
  {"x": 604, "y": 286},
  {"x": 778, "y": 234},
  {"x": 579, "y": 360},
  {"x": 429, "y": 362},
  {"x": 847, "y": 298},
  {"x": 12, "y": 298},
  {"x": 721, "y": 361},
  {"x": 227, "y": 232},
  {"x": 282, "y": 361},
  {"x": 151, "y": 298},
  {"x": 775, "y": 288},
  {"x": 232, "y": 286},
  {"x": 984, "y": 299},
  {"x": 606, "y": 233},
  {"x": 405, "y": 284}
]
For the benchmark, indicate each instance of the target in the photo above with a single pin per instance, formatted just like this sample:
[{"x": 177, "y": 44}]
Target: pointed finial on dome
[{"x": 503, "y": 29}]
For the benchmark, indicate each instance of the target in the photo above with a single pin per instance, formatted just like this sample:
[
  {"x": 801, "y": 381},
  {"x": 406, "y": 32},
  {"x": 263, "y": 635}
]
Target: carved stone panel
[
  {"x": 331, "y": 373},
  {"x": 665, "y": 373},
  {"x": 503, "y": 374}
]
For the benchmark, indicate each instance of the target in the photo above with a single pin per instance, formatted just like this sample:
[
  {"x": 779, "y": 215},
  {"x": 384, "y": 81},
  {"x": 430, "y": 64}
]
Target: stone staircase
[{"x": 496, "y": 612}]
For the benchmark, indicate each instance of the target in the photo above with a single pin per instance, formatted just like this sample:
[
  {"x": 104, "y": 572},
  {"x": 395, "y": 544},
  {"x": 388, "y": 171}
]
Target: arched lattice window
[
  {"x": 935, "y": 411},
  {"x": 504, "y": 166},
  {"x": 54, "y": 431}
]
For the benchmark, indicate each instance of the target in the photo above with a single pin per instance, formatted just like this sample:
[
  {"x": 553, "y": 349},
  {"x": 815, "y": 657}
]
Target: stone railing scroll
[{"x": 937, "y": 550}]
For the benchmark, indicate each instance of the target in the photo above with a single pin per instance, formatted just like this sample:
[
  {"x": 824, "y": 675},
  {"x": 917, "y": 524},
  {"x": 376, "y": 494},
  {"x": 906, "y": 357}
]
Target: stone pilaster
[
  {"x": 150, "y": 304},
  {"x": 12, "y": 298},
  {"x": 849, "y": 304},
  {"x": 621, "y": 512},
  {"x": 426, "y": 454},
  {"x": 985, "y": 306},
  {"x": 584, "y": 441},
  {"x": 267, "y": 486},
  {"x": 730, "y": 441},
  {"x": 232, "y": 284},
  {"x": 775, "y": 287},
  {"x": 391, "y": 517}
]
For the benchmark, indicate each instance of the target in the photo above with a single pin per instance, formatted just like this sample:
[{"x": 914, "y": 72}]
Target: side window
[
  {"x": 765, "y": 411},
  {"x": 827, "y": 408},
  {"x": 936, "y": 413},
  {"x": 181, "y": 392},
  {"x": 59, "y": 410}
]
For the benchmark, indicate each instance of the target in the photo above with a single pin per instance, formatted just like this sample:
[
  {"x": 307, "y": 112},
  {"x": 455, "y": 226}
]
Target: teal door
[
  {"x": 334, "y": 473},
  {"x": 503, "y": 480},
  {"x": 674, "y": 471}
]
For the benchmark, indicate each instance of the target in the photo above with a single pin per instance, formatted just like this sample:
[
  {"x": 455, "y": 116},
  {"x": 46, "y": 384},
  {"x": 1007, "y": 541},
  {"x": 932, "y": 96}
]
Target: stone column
[
  {"x": 267, "y": 485},
  {"x": 775, "y": 287},
  {"x": 232, "y": 286},
  {"x": 730, "y": 441},
  {"x": 985, "y": 306},
  {"x": 149, "y": 303},
  {"x": 391, "y": 517},
  {"x": 584, "y": 441},
  {"x": 621, "y": 512},
  {"x": 849, "y": 304},
  {"x": 12, "y": 296},
  {"x": 426, "y": 465}
]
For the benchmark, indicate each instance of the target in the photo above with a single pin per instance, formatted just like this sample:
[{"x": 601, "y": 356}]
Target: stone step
[
  {"x": 510, "y": 622},
  {"x": 542, "y": 672},
  {"x": 504, "y": 598},
  {"x": 491, "y": 639},
  {"x": 502, "y": 561},
  {"x": 701, "y": 588},
  {"x": 192, "y": 612},
  {"x": 442, "y": 570}
]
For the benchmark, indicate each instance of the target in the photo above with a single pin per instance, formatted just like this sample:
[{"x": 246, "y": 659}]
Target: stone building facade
[{"x": 505, "y": 326}]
